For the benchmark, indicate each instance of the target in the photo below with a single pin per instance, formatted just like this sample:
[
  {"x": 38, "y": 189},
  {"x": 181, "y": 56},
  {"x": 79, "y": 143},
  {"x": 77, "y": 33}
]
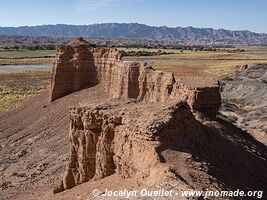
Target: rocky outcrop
[
  {"x": 125, "y": 137},
  {"x": 80, "y": 65},
  {"x": 147, "y": 111}
]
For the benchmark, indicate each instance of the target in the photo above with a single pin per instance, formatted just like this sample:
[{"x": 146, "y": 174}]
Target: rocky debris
[
  {"x": 79, "y": 65},
  {"x": 245, "y": 97}
]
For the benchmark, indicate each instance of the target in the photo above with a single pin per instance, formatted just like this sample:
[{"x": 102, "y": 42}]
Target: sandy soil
[{"x": 34, "y": 140}]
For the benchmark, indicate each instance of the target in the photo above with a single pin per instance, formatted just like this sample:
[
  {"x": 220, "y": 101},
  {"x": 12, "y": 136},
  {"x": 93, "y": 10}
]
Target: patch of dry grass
[
  {"x": 15, "y": 87},
  {"x": 26, "y": 61},
  {"x": 206, "y": 64}
]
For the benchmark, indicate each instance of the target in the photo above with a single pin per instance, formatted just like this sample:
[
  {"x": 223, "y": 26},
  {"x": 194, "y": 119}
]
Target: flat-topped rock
[{"x": 197, "y": 83}]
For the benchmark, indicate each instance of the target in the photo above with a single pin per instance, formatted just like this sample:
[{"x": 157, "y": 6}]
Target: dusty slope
[
  {"x": 245, "y": 100},
  {"x": 34, "y": 141}
]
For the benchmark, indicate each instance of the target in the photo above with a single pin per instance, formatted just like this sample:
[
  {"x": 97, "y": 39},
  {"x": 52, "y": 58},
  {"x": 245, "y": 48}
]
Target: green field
[
  {"x": 26, "y": 53},
  {"x": 20, "y": 57}
]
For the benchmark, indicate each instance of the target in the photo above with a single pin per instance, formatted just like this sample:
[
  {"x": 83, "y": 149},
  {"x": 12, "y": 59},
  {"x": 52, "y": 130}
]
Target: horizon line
[{"x": 157, "y": 26}]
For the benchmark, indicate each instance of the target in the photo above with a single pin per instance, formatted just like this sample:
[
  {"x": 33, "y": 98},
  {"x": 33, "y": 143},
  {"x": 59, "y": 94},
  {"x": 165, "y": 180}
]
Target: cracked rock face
[
  {"x": 147, "y": 112},
  {"x": 125, "y": 137},
  {"x": 80, "y": 65}
]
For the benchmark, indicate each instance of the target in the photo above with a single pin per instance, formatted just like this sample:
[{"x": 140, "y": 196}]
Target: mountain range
[{"x": 187, "y": 35}]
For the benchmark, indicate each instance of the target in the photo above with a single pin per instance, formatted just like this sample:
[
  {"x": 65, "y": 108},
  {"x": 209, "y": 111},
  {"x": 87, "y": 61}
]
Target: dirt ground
[
  {"x": 34, "y": 140},
  {"x": 183, "y": 70}
]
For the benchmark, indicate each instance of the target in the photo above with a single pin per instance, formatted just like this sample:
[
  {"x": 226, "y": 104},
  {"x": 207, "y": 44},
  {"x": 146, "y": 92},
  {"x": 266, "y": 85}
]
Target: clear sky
[{"x": 228, "y": 14}]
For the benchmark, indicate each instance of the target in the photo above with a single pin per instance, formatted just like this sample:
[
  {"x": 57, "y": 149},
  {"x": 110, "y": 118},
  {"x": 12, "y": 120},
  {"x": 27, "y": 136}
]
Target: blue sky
[{"x": 228, "y": 14}]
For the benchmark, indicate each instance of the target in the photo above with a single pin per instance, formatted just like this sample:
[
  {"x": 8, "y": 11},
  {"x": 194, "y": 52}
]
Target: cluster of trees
[
  {"x": 29, "y": 47},
  {"x": 234, "y": 50},
  {"x": 31, "y": 43},
  {"x": 145, "y": 53},
  {"x": 184, "y": 47},
  {"x": 51, "y": 43}
]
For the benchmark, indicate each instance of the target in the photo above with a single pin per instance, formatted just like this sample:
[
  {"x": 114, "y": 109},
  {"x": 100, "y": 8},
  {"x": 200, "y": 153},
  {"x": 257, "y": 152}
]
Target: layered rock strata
[
  {"x": 147, "y": 111},
  {"x": 126, "y": 137},
  {"x": 81, "y": 65}
]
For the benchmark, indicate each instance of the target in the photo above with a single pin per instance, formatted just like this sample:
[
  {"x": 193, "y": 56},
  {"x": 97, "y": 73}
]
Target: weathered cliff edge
[
  {"x": 80, "y": 65},
  {"x": 148, "y": 111},
  {"x": 126, "y": 138}
]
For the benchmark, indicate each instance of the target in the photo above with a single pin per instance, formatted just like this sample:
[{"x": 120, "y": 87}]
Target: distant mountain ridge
[{"x": 187, "y": 35}]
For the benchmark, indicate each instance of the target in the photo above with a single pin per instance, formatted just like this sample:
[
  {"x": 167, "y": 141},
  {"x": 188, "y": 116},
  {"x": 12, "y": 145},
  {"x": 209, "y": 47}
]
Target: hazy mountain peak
[{"x": 190, "y": 35}]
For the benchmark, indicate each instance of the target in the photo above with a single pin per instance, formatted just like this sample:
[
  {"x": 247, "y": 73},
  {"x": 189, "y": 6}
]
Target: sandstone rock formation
[
  {"x": 80, "y": 65},
  {"x": 125, "y": 137},
  {"x": 148, "y": 111}
]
